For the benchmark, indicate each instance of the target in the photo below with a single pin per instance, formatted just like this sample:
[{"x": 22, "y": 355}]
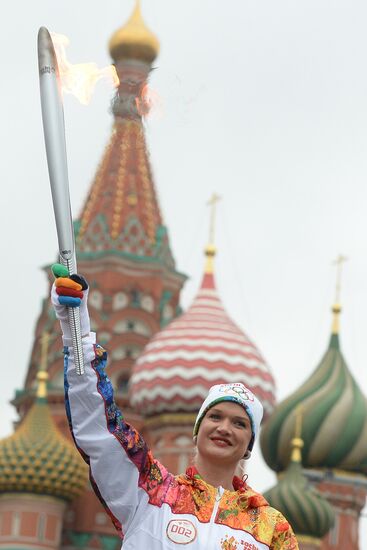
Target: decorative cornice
[
  {"x": 338, "y": 475},
  {"x": 31, "y": 498}
]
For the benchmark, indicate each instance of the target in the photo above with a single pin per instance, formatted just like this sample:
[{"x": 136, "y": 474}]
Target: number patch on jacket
[{"x": 181, "y": 531}]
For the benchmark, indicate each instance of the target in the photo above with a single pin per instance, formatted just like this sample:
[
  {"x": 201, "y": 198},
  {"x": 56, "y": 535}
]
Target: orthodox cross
[
  {"x": 340, "y": 260},
  {"x": 212, "y": 202}
]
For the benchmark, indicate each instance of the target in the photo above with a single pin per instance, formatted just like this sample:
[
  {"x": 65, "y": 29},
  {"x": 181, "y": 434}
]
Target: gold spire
[
  {"x": 210, "y": 249},
  {"x": 42, "y": 375},
  {"x": 336, "y": 309},
  {"x": 297, "y": 441},
  {"x": 134, "y": 39}
]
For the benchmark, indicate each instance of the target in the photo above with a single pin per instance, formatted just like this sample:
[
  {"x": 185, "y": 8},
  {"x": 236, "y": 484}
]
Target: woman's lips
[{"x": 220, "y": 442}]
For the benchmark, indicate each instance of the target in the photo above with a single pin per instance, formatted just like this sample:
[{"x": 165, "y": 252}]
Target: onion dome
[
  {"x": 200, "y": 348},
  {"x": 308, "y": 512},
  {"x": 134, "y": 40},
  {"x": 335, "y": 417},
  {"x": 38, "y": 459}
]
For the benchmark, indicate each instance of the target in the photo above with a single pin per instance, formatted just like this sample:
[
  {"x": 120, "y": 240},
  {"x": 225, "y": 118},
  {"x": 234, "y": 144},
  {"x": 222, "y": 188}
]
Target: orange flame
[
  {"x": 80, "y": 79},
  {"x": 149, "y": 104}
]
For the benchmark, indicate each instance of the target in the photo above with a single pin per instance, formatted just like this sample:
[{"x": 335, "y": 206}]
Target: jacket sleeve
[
  {"x": 123, "y": 472},
  {"x": 283, "y": 537}
]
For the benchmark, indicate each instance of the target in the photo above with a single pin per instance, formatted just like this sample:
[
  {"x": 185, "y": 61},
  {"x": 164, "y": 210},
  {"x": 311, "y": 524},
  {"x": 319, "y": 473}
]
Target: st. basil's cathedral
[{"x": 162, "y": 361}]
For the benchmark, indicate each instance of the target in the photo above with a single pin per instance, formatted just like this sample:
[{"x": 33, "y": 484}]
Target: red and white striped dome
[{"x": 200, "y": 348}]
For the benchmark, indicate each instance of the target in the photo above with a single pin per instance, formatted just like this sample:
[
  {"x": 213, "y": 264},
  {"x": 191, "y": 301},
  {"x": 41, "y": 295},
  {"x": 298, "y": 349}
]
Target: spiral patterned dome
[
  {"x": 38, "y": 459},
  {"x": 304, "y": 507},
  {"x": 134, "y": 40},
  {"x": 335, "y": 417},
  {"x": 200, "y": 348}
]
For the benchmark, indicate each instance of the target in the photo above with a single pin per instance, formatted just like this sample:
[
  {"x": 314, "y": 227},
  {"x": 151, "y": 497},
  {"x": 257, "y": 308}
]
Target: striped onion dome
[
  {"x": 308, "y": 512},
  {"x": 38, "y": 459},
  {"x": 134, "y": 40},
  {"x": 200, "y": 348},
  {"x": 335, "y": 417}
]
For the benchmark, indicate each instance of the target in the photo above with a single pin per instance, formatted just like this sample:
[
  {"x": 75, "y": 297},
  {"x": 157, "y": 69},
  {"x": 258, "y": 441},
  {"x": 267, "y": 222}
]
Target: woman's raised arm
[{"x": 120, "y": 462}]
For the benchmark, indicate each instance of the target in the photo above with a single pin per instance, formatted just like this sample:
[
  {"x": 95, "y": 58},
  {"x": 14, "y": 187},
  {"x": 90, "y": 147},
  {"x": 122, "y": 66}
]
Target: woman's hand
[{"x": 69, "y": 291}]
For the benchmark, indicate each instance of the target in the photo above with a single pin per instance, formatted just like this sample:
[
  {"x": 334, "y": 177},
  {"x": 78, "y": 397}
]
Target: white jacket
[{"x": 150, "y": 508}]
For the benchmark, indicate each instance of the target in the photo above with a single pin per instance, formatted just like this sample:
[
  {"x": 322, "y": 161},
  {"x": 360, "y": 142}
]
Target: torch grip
[{"x": 74, "y": 322}]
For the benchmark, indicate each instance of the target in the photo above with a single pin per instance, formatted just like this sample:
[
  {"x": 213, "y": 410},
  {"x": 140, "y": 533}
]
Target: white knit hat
[{"x": 238, "y": 393}]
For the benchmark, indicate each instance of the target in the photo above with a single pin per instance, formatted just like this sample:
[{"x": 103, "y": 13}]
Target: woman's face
[{"x": 224, "y": 433}]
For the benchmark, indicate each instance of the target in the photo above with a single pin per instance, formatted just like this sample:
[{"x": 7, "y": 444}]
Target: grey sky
[{"x": 264, "y": 102}]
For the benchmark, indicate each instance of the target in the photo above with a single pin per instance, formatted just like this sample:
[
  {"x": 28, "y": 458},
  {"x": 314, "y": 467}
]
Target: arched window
[
  {"x": 132, "y": 325},
  {"x": 96, "y": 299},
  {"x": 120, "y": 300},
  {"x": 125, "y": 352},
  {"x": 147, "y": 303}
]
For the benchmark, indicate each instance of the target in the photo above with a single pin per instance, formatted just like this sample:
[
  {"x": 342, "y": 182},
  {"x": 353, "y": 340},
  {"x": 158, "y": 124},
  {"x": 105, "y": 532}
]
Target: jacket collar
[{"x": 252, "y": 498}]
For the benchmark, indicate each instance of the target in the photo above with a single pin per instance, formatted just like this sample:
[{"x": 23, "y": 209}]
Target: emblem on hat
[{"x": 238, "y": 390}]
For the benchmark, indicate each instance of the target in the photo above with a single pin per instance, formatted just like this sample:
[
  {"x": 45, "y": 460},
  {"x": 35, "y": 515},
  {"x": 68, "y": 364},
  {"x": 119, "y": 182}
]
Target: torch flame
[
  {"x": 149, "y": 103},
  {"x": 80, "y": 79}
]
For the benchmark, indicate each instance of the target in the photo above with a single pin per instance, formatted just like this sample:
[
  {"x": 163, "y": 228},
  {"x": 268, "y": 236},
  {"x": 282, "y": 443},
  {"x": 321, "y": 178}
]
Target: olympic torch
[{"x": 54, "y": 134}]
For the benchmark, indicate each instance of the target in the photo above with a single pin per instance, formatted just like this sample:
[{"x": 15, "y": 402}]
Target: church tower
[
  {"x": 123, "y": 250},
  {"x": 122, "y": 243}
]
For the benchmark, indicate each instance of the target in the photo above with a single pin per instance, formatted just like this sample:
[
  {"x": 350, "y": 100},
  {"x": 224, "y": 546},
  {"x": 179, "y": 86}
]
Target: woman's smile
[{"x": 221, "y": 442}]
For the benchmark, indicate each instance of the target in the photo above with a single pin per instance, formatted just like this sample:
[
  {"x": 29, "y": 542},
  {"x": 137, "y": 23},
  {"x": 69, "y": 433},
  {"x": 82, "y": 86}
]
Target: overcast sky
[{"x": 264, "y": 102}]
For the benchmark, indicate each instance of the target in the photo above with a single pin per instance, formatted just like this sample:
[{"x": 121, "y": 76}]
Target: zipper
[{"x": 218, "y": 497}]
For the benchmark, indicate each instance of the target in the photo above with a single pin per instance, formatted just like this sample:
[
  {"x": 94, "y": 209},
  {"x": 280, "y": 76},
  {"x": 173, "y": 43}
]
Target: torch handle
[{"x": 74, "y": 322}]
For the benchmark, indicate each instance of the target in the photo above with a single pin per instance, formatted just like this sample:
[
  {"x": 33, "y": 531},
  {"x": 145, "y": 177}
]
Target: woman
[{"x": 208, "y": 507}]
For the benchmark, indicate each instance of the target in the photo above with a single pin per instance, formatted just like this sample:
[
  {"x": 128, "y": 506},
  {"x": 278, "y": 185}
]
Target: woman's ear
[
  {"x": 195, "y": 438},
  {"x": 247, "y": 455}
]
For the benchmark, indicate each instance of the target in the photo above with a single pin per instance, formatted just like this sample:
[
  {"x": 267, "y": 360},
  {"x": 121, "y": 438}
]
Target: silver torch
[{"x": 54, "y": 134}]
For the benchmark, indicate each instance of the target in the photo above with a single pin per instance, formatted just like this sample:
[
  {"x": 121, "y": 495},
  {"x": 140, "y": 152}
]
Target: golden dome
[
  {"x": 134, "y": 40},
  {"x": 37, "y": 456}
]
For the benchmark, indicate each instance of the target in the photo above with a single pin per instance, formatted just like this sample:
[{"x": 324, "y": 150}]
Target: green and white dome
[{"x": 335, "y": 417}]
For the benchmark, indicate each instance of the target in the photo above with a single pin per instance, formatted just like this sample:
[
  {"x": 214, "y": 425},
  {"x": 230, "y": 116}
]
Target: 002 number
[{"x": 180, "y": 530}]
